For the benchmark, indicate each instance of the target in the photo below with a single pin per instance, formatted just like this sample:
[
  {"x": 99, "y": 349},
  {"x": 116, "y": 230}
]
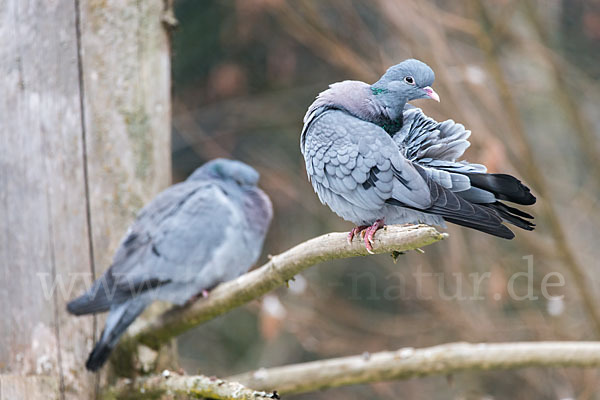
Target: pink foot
[
  {"x": 355, "y": 231},
  {"x": 370, "y": 234},
  {"x": 202, "y": 295}
]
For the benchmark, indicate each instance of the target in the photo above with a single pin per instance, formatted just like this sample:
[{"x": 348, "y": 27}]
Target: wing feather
[
  {"x": 357, "y": 161},
  {"x": 156, "y": 249}
]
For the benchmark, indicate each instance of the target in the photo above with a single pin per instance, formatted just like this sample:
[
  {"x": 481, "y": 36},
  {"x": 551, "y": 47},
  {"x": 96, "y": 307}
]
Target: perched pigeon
[
  {"x": 371, "y": 158},
  {"x": 192, "y": 236}
]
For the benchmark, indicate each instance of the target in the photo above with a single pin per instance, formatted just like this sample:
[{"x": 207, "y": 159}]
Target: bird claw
[
  {"x": 201, "y": 295},
  {"x": 369, "y": 236},
  {"x": 356, "y": 230}
]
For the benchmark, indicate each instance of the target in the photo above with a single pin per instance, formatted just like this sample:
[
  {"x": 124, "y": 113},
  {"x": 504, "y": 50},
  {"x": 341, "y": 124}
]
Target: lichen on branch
[{"x": 169, "y": 384}]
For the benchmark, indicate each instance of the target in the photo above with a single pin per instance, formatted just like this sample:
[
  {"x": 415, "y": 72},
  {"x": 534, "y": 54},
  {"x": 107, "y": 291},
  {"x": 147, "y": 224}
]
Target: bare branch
[
  {"x": 367, "y": 368},
  {"x": 273, "y": 274},
  {"x": 199, "y": 386},
  {"x": 535, "y": 176},
  {"x": 409, "y": 362}
]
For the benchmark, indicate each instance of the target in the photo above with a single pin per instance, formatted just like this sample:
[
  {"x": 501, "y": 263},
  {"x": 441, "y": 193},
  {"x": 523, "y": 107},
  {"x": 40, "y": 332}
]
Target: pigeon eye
[{"x": 409, "y": 79}]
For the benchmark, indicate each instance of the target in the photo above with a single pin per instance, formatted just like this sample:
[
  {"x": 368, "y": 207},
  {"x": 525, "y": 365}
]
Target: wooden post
[{"x": 84, "y": 143}]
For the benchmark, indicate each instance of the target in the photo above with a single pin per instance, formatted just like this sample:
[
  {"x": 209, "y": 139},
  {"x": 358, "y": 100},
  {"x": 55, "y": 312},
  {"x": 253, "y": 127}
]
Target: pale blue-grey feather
[
  {"x": 359, "y": 147},
  {"x": 422, "y": 138},
  {"x": 192, "y": 236},
  {"x": 436, "y": 146}
]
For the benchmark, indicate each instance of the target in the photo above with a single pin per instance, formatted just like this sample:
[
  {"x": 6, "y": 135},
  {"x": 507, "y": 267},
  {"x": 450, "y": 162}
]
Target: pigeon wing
[
  {"x": 173, "y": 238},
  {"x": 436, "y": 146},
  {"x": 359, "y": 162},
  {"x": 183, "y": 241},
  {"x": 422, "y": 139}
]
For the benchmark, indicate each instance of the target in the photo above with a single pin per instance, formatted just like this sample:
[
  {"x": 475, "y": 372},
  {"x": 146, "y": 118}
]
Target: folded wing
[
  {"x": 436, "y": 146},
  {"x": 164, "y": 248}
]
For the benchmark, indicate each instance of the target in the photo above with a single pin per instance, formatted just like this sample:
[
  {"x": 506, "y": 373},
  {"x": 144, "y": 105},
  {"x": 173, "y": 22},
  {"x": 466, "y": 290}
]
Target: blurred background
[{"x": 522, "y": 75}]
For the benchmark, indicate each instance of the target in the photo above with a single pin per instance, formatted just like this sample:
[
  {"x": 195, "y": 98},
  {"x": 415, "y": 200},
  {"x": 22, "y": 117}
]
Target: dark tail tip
[
  {"x": 77, "y": 306},
  {"x": 98, "y": 357},
  {"x": 497, "y": 229},
  {"x": 504, "y": 187},
  {"x": 513, "y": 215}
]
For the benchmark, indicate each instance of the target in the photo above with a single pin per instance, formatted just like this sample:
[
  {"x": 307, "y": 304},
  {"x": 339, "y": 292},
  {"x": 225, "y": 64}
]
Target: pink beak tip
[{"x": 432, "y": 94}]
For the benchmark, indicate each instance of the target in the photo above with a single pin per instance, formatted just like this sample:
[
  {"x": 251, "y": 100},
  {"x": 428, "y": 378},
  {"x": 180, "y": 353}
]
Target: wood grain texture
[
  {"x": 16, "y": 387},
  {"x": 126, "y": 77},
  {"x": 43, "y": 240},
  {"x": 47, "y": 139}
]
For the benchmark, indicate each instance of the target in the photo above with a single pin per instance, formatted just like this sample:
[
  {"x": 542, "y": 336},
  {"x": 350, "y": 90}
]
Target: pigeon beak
[{"x": 431, "y": 93}]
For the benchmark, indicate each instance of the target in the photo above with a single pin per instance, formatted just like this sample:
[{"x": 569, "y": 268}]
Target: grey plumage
[
  {"x": 370, "y": 157},
  {"x": 192, "y": 236}
]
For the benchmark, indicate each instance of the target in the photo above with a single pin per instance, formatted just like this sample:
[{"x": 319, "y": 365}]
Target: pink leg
[
  {"x": 370, "y": 234},
  {"x": 355, "y": 231},
  {"x": 202, "y": 295}
]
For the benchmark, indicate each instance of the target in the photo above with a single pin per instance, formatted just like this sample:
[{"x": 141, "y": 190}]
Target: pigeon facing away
[
  {"x": 371, "y": 158},
  {"x": 191, "y": 237}
]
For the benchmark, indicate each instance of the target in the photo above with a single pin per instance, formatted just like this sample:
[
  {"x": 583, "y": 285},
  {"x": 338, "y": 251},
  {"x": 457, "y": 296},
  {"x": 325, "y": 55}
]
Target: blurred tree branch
[
  {"x": 491, "y": 50},
  {"x": 171, "y": 384},
  {"x": 280, "y": 269},
  {"x": 584, "y": 133},
  {"x": 409, "y": 362},
  {"x": 367, "y": 368}
]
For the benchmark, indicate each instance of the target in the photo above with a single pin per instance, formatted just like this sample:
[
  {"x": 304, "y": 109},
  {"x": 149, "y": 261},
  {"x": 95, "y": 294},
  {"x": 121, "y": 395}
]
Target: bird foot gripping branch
[{"x": 367, "y": 233}]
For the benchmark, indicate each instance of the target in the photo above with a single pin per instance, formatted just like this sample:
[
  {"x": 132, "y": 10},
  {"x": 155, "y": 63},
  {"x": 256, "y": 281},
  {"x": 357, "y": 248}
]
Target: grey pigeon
[
  {"x": 191, "y": 237},
  {"x": 373, "y": 158}
]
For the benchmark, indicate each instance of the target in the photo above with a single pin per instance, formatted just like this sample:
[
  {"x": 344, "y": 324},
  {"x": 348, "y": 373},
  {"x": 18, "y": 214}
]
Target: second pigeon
[{"x": 191, "y": 237}]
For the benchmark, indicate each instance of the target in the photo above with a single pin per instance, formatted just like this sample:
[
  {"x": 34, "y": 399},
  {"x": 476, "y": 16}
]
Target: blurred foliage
[{"x": 522, "y": 75}]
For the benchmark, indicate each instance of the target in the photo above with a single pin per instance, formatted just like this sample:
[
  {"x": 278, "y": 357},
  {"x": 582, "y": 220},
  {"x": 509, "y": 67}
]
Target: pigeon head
[
  {"x": 227, "y": 170},
  {"x": 409, "y": 80}
]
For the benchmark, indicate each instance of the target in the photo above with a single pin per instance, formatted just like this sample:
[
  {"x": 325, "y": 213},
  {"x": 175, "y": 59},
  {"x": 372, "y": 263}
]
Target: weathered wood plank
[
  {"x": 16, "y": 387},
  {"x": 126, "y": 77},
  {"x": 44, "y": 149},
  {"x": 126, "y": 69},
  {"x": 43, "y": 240}
]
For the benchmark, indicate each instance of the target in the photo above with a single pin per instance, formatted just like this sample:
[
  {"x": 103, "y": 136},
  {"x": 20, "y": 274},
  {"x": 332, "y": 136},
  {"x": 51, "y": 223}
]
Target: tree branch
[
  {"x": 409, "y": 362},
  {"x": 197, "y": 386},
  {"x": 273, "y": 274},
  {"x": 367, "y": 368}
]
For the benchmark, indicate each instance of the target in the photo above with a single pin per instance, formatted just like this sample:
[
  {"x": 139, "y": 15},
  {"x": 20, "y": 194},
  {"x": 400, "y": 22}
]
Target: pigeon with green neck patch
[{"x": 374, "y": 159}]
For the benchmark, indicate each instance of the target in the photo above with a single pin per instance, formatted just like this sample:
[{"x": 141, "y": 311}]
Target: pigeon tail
[
  {"x": 84, "y": 304},
  {"x": 512, "y": 215},
  {"x": 116, "y": 324},
  {"x": 98, "y": 357},
  {"x": 498, "y": 230},
  {"x": 503, "y": 186},
  {"x": 455, "y": 209}
]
